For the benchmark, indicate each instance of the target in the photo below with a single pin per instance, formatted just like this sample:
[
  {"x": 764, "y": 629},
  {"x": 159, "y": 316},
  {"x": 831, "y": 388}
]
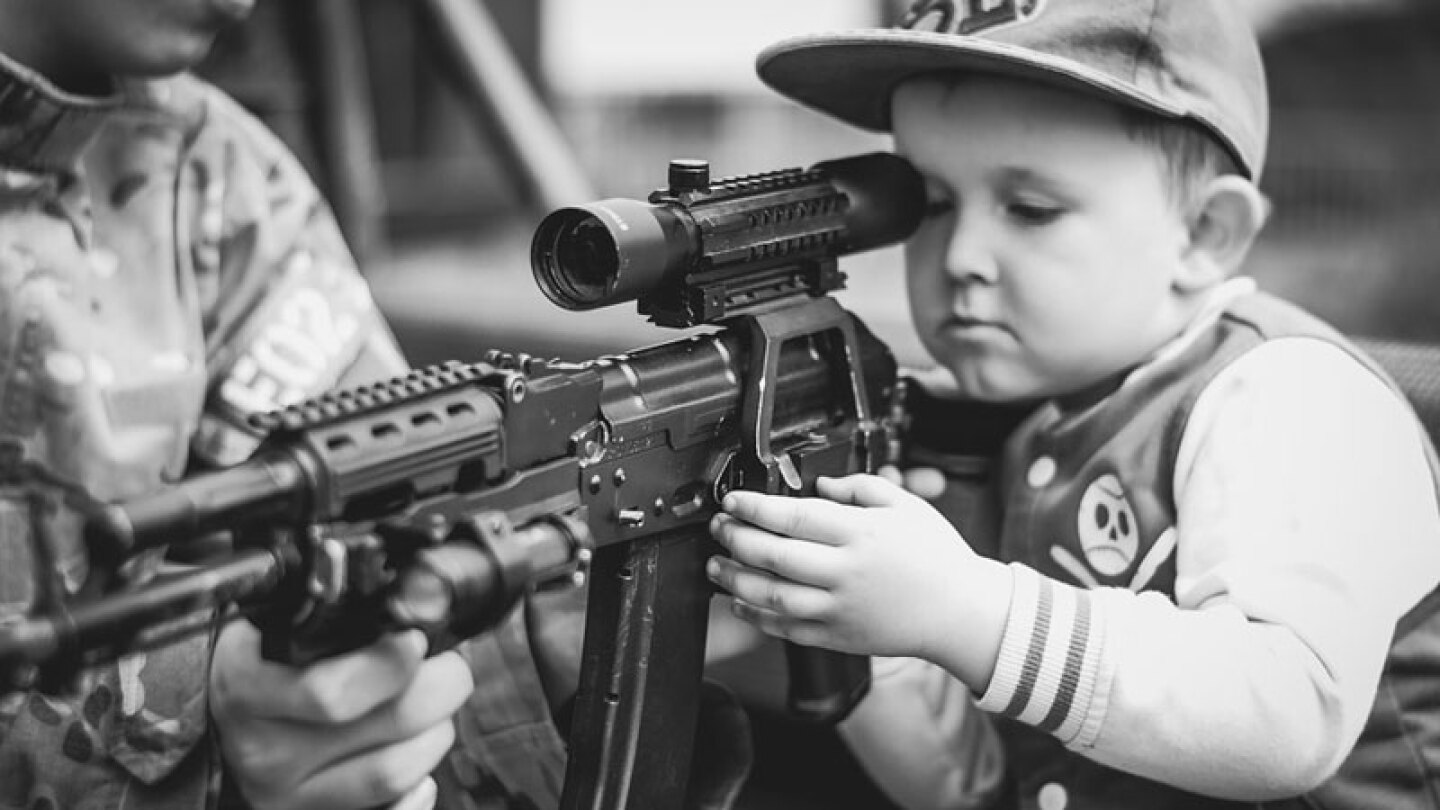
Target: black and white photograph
[{"x": 694, "y": 405}]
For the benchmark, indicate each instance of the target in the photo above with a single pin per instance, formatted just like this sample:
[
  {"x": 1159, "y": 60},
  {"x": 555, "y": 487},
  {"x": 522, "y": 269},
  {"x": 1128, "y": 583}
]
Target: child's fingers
[
  {"x": 788, "y": 557},
  {"x": 815, "y": 519},
  {"x": 869, "y": 491},
  {"x": 781, "y": 597},
  {"x": 927, "y": 482},
  {"x": 811, "y": 634}
]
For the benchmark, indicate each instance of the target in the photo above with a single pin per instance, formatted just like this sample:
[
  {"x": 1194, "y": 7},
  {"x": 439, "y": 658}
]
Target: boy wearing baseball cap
[{"x": 1220, "y": 536}]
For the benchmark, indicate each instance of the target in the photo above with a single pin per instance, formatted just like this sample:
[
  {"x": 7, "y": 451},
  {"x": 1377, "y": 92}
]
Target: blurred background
[{"x": 443, "y": 130}]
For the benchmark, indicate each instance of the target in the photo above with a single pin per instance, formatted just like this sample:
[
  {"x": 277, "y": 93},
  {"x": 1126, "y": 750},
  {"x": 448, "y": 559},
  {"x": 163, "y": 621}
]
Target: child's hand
[
  {"x": 358, "y": 730},
  {"x": 927, "y": 482},
  {"x": 866, "y": 568}
]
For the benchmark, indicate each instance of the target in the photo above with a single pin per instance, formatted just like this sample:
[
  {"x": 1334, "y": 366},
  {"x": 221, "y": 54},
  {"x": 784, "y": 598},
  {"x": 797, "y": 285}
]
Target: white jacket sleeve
[
  {"x": 1307, "y": 527},
  {"x": 921, "y": 739}
]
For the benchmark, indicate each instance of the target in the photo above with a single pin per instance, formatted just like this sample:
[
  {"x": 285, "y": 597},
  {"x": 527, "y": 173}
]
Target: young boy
[
  {"x": 1219, "y": 530},
  {"x": 165, "y": 269}
]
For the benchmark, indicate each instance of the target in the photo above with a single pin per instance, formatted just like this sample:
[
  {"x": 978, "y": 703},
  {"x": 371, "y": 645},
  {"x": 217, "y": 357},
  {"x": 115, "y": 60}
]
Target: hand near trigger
[
  {"x": 854, "y": 570},
  {"x": 867, "y": 567}
]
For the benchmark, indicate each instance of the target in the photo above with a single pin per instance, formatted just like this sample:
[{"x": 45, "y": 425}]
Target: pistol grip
[{"x": 825, "y": 685}]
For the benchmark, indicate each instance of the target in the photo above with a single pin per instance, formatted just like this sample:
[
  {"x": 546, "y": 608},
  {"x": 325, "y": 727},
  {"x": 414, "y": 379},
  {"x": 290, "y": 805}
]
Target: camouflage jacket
[{"x": 166, "y": 267}]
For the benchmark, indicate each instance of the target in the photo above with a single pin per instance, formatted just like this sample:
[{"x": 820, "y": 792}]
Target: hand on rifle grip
[{"x": 358, "y": 730}]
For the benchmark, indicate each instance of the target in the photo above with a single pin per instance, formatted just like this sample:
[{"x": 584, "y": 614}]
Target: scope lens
[
  {"x": 575, "y": 259},
  {"x": 606, "y": 252},
  {"x": 589, "y": 256}
]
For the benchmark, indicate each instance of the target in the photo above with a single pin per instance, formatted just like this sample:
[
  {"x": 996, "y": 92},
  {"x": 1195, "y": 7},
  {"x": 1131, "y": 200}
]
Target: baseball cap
[{"x": 1184, "y": 59}]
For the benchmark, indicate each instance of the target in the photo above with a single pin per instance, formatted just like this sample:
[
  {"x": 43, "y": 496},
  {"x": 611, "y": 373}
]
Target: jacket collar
[{"x": 44, "y": 129}]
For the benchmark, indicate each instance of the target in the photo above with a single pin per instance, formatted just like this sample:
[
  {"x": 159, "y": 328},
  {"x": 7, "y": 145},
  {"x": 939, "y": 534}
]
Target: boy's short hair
[
  {"x": 1192, "y": 61},
  {"x": 1189, "y": 155}
]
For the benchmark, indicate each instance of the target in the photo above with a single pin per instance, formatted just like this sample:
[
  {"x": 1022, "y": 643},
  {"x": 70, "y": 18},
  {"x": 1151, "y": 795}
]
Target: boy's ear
[{"x": 1225, "y": 219}]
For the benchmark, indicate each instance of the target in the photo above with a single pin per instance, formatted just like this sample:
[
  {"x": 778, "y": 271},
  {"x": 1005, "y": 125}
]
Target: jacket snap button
[
  {"x": 1041, "y": 472},
  {"x": 1053, "y": 797}
]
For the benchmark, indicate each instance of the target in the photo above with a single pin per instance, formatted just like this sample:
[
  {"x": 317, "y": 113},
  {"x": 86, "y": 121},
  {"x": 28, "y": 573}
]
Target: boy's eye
[
  {"x": 1028, "y": 213},
  {"x": 938, "y": 200},
  {"x": 938, "y": 206}
]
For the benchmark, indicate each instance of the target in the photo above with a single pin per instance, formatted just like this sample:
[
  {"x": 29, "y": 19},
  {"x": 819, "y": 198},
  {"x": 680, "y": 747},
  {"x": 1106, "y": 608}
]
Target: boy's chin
[
  {"x": 992, "y": 385},
  {"x": 178, "y": 57}
]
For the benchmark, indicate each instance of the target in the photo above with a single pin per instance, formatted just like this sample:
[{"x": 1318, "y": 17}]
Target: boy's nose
[{"x": 967, "y": 255}]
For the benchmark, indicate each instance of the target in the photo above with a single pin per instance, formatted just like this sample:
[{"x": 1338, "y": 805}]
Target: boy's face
[
  {"x": 1053, "y": 269},
  {"x": 77, "y": 43}
]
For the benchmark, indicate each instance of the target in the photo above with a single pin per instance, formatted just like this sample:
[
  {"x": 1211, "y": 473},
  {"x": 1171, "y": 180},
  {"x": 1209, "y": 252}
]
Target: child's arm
[{"x": 1308, "y": 526}]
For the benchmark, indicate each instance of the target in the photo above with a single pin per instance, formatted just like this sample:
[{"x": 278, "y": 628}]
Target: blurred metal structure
[
  {"x": 349, "y": 149},
  {"x": 506, "y": 99},
  {"x": 329, "y": 76}
]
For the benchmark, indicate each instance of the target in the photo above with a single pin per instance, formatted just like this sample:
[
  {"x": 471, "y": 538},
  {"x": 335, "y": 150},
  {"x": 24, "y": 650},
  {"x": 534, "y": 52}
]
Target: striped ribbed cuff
[{"x": 1049, "y": 659}]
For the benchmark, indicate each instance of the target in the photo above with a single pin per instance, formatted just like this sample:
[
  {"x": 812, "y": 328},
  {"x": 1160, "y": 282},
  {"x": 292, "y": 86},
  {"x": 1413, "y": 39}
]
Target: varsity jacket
[{"x": 1111, "y": 524}]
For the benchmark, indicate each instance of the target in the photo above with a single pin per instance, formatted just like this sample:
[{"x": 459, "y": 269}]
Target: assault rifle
[{"x": 438, "y": 499}]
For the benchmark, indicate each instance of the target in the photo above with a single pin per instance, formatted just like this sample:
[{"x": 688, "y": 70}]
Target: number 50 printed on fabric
[{"x": 301, "y": 338}]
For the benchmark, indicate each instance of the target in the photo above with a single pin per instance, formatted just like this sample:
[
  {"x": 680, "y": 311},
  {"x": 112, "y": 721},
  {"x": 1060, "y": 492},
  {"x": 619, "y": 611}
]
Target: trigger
[{"x": 785, "y": 463}]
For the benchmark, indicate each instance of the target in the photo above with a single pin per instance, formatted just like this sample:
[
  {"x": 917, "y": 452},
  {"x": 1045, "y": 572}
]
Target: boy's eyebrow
[
  {"x": 1004, "y": 177},
  {"x": 1025, "y": 176}
]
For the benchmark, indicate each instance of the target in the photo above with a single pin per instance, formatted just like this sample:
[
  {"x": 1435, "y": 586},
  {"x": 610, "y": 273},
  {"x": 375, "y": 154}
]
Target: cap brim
[{"x": 851, "y": 75}]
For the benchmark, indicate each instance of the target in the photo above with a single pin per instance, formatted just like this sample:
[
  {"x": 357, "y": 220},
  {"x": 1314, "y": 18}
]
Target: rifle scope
[{"x": 701, "y": 250}]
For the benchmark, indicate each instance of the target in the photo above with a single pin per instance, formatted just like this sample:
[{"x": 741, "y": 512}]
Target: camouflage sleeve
[
  {"x": 288, "y": 314},
  {"x": 292, "y": 317}
]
